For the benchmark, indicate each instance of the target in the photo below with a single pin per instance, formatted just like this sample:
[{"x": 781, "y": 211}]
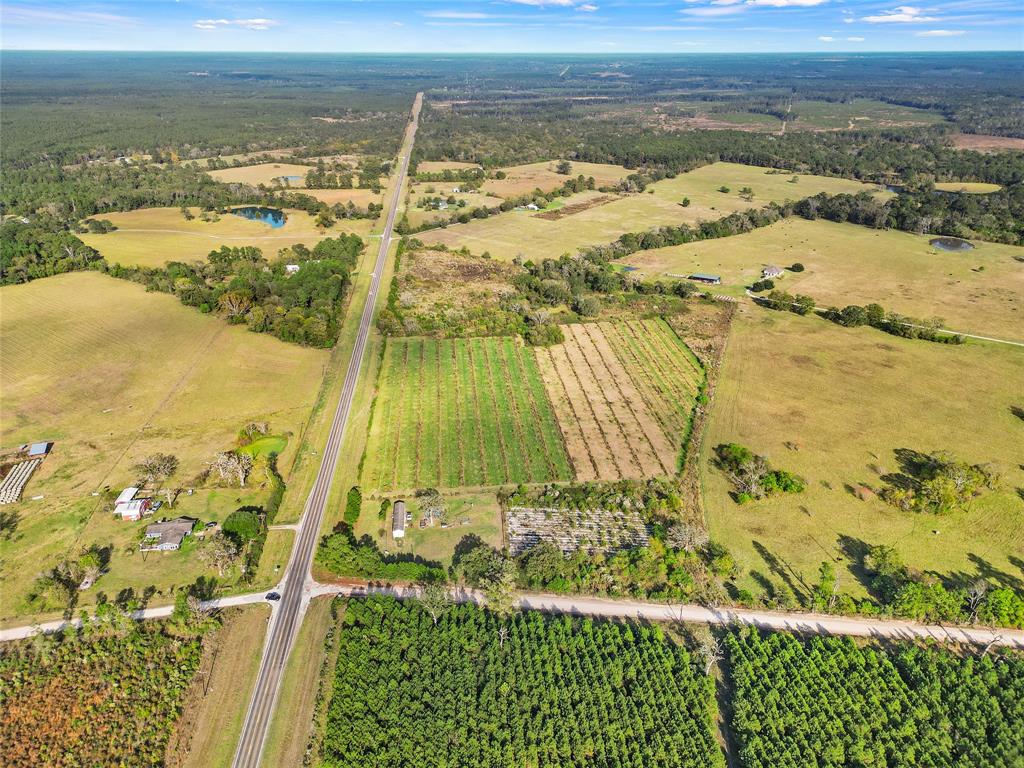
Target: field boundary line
[
  {"x": 643, "y": 380},
  {"x": 471, "y": 367},
  {"x": 599, "y": 381},
  {"x": 418, "y": 414},
  {"x": 650, "y": 443},
  {"x": 456, "y": 406},
  {"x": 675, "y": 380},
  {"x": 400, "y": 413},
  {"x": 534, "y": 409},
  {"x": 437, "y": 403},
  {"x": 593, "y": 413},
  {"x": 575, "y": 416},
  {"x": 494, "y": 399},
  {"x": 517, "y": 418}
]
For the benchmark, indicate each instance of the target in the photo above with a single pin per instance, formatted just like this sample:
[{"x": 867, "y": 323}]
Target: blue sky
[{"x": 508, "y": 26}]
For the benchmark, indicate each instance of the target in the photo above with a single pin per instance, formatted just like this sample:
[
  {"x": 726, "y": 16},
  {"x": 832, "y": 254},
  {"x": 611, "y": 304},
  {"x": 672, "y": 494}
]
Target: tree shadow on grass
[{"x": 784, "y": 571}]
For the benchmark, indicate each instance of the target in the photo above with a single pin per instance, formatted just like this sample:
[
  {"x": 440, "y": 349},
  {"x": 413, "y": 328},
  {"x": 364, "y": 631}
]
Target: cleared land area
[
  {"x": 111, "y": 374},
  {"x": 983, "y": 143},
  {"x": 833, "y": 405},
  {"x": 858, "y": 113},
  {"x": 151, "y": 237},
  {"x": 622, "y": 393},
  {"x": 978, "y": 291},
  {"x": 534, "y": 236},
  {"x": 439, "y": 166},
  {"x": 970, "y": 187},
  {"x": 418, "y": 216},
  {"x": 523, "y": 179},
  {"x": 211, "y": 720},
  {"x": 358, "y": 197},
  {"x": 271, "y": 174},
  {"x": 467, "y": 513},
  {"x": 461, "y": 412}
]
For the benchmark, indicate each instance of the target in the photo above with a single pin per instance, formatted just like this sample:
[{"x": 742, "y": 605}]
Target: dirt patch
[
  {"x": 569, "y": 210},
  {"x": 983, "y": 143}
]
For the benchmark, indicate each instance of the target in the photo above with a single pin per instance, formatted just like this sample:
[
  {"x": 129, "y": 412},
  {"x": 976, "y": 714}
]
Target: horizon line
[{"x": 508, "y": 53}]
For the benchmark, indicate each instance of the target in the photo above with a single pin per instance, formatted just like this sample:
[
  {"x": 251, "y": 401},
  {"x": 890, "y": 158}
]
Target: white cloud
[
  {"x": 940, "y": 33},
  {"x": 456, "y": 15},
  {"x": 855, "y": 39},
  {"x": 586, "y": 7},
  {"x": 848, "y": 17},
  {"x": 786, "y": 3},
  {"x": 542, "y": 3},
  {"x": 16, "y": 14},
  {"x": 904, "y": 14},
  {"x": 397, "y": 24},
  {"x": 255, "y": 25},
  {"x": 826, "y": 38},
  {"x": 730, "y": 7},
  {"x": 713, "y": 10}
]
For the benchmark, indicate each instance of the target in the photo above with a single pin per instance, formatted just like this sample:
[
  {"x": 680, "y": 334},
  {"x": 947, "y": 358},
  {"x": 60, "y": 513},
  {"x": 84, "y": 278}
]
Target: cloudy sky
[{"x": 500, "y": 26}]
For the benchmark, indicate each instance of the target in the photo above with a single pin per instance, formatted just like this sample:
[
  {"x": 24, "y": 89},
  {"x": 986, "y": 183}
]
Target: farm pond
[
  {"x": 950, "y": 244},
  {"x": 274, "y": 217}
]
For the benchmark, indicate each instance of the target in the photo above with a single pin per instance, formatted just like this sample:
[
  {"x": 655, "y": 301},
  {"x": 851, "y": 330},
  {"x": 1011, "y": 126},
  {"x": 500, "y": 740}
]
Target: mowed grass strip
[{"x": 470, "y": 412}]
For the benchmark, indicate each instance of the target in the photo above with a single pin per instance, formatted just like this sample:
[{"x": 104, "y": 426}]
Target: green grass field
[
  {"x": 150, "y": 237},
  {"x": 111, "y": 374},
  {"x": 844, "y": 400},
  {"x": 980, "y": 291},
  {"x": 462, "y": 412},
  {"x": 522, "y": 232}
]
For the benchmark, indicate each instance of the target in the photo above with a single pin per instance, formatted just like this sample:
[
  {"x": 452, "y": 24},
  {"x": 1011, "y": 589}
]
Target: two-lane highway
[{"x": 297, "y": 583}]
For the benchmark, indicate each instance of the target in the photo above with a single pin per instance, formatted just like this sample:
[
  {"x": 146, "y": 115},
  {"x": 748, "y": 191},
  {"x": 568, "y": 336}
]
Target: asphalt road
[{"x": 296, "y": 585}]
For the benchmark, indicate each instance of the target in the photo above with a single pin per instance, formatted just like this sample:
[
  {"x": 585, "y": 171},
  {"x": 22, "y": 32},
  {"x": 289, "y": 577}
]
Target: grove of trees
[{"x": 467, "y": 687}]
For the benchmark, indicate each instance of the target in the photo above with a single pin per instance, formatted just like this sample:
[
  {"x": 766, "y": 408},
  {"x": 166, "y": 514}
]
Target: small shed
[
  {"x": 168, "y": 535},
  {"x": 38, "y": 450},
  {"x": 398, "y": 519},
  {"x": 130, "y": 508},
  {"x": 700, "y": 277},
  {"x": 771, "y": 271}
]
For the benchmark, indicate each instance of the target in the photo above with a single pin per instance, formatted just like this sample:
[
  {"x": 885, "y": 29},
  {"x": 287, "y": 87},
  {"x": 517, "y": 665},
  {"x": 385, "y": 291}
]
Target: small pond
[
  {"x": 273, "y": 216},
  {"x": 290, "y": 178},
  {"x": 951, "y": 244}
]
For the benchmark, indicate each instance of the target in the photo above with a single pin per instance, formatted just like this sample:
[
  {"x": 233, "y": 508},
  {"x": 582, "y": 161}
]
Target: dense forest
[
  {"x": 829, "y": 702},
  {"x": 467, "y": 687}
]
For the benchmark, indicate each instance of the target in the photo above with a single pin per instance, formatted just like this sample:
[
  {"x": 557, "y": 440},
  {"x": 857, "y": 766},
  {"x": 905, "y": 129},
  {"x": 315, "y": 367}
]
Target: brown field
[
  {"x": 603, "y": 384},
  {"x": 359, "y": 197},
  {"x": 523, "y": 179},
  {"x": 438, "y": 166},
  {"x": 263, "y": 173},
  {"x": 574, "y": 208},
  {"x": 982, "y": 143}
]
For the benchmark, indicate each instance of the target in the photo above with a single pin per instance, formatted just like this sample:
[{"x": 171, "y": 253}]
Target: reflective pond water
[
  {"x": 951, "y": 244},
  {"x": 273, "y": 216}
]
